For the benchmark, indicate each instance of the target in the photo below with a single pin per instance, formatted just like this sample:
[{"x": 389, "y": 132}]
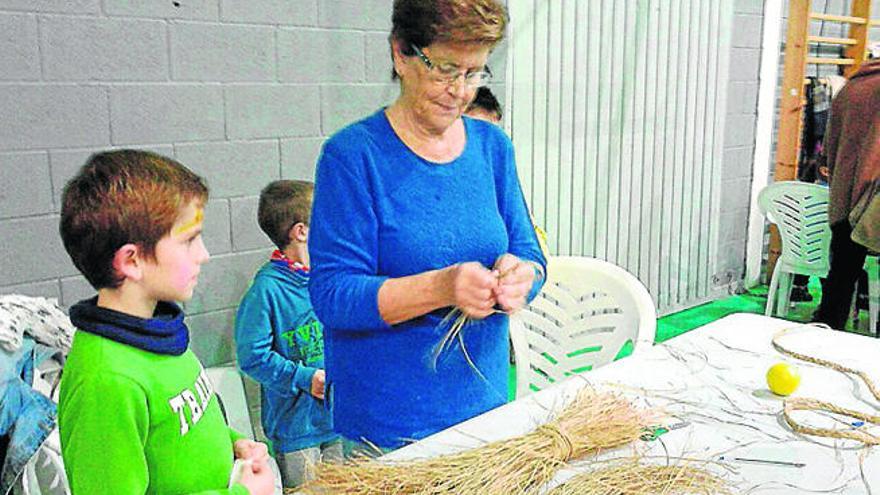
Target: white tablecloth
[{"x": 713, "y": 378}]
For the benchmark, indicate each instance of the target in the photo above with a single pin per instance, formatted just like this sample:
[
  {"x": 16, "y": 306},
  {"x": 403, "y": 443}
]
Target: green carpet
[
  {"x": 752, "y": 301},
  {"x": 678, "y": 323}
]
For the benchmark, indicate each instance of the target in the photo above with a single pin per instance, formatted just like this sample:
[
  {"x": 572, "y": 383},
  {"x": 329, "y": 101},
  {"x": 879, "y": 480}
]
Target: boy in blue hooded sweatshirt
[{"x": 279, "y": 339}]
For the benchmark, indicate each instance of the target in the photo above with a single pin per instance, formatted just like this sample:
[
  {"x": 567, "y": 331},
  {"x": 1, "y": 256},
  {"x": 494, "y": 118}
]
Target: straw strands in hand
[
  {"x": 459, "y": 320},
  {"x": 632, "y": 477},
  {"x": 593, "y": 422}
]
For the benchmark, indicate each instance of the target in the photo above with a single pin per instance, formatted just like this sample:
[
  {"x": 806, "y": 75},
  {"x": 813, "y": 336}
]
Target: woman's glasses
[{"x": 449, "y": 74}]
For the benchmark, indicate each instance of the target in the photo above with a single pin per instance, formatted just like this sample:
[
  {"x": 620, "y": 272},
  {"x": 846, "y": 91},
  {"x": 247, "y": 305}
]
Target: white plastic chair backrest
[
  {"x": 800, "y": 212},
  {"x": 587, "y": 311},
  {"x": 229, "y": 387}
]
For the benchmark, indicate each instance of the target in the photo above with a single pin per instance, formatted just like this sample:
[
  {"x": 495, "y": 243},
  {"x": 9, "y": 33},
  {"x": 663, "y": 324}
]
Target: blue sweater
[
  {"x": 278, "y": 343},
  {"x": 382, "y": 211}
]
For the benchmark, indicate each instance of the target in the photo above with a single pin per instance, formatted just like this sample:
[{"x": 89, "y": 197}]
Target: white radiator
[{"x": 616, "y": 110}]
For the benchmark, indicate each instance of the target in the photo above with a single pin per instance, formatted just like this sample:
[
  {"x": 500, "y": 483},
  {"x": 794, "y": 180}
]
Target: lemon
[{"x": 783, "y": 378}]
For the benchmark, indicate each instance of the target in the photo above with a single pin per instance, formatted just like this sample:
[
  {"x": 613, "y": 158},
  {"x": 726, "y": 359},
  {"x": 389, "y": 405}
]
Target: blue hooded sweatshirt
[{"x": 279, "y": 344}]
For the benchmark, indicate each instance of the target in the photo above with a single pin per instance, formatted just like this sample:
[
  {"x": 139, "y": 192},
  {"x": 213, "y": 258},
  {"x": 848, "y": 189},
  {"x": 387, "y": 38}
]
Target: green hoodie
[{"x": 135, "y": 422}]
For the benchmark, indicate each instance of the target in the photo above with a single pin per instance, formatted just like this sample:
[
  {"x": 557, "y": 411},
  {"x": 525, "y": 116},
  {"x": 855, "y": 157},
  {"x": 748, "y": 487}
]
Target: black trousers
[{"x": 847, "y": 259}]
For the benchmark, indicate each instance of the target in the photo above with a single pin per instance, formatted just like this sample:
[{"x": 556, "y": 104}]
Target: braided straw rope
[{"x": 805, "y": 404}]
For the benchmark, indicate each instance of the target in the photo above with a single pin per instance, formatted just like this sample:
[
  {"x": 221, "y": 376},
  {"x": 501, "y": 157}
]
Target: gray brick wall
[
  {"x": 739, "y": 139},
  {"x": 241, "y": 92}
]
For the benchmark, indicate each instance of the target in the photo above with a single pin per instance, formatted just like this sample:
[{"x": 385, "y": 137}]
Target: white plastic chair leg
[
  {"x": 873, "y": 267},
  {"x": 783, "y": 296},
  {"x": 771, "y": 293}
]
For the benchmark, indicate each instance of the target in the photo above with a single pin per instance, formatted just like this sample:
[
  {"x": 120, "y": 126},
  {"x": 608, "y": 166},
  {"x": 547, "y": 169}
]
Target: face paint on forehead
[{"x": 196, "y": 220}]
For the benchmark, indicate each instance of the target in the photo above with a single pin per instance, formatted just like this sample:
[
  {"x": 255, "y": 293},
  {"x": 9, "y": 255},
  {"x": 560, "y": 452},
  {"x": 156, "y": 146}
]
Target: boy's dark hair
[
  {"x": 122, "y": 197},
  {"x": 485, "y": 100},
  {"x": 283, "y": 204}
]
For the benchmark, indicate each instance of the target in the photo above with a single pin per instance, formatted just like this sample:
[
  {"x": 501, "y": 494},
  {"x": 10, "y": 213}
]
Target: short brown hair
[
  {"x": 283, "y": 204},
  {"x": 423, "y": 22},
  {"x": 121, "y": 197}
]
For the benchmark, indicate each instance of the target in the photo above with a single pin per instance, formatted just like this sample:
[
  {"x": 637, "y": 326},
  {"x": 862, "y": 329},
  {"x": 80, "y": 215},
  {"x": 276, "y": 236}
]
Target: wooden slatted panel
[{"x": 616, "y": 112}]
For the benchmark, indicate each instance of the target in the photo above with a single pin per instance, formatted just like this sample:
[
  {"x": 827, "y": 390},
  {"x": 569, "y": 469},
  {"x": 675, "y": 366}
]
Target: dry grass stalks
[
  {"x": 594, "y": 421},
  {"x": 459, "y": 320},
  {"x": 631, "y": 477}
]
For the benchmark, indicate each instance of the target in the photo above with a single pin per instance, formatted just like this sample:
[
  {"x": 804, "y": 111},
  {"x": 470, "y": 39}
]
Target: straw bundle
[
  {"x": 630, "y": 477},
  {"x": 592, "y": 422}
]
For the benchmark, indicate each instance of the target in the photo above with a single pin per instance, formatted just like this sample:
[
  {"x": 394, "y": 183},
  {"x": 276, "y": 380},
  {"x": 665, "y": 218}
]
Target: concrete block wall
[
  {"x": 241, "y": 92},
  {"x": 739, "y": 139}
]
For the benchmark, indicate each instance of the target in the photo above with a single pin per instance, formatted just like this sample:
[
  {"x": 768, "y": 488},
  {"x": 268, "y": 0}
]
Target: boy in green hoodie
[{"x": 137, "y": 413}]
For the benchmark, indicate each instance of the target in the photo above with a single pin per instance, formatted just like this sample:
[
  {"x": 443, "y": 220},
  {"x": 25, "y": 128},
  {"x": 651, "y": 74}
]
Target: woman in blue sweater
[{"x": 418, "y": 210}]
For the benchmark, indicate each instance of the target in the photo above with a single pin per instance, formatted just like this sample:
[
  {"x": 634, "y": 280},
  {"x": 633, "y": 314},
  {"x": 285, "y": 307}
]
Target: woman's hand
[
  {"x": 473, "y": 289},
  {"x": 515, "y": 279}
]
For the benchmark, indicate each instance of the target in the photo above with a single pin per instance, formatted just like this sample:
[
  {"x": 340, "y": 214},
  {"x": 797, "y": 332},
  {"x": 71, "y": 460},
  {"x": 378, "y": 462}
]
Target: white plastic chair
[
  {"x": 588, "y": 310},
  {"x": 44, "y": 472},
  {"x": 229, "y": 388},
  {"x": 800, "y": 212}
]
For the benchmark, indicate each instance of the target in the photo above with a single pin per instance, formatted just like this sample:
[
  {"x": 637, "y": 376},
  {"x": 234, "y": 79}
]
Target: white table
[{"x": 713, "y": 378}]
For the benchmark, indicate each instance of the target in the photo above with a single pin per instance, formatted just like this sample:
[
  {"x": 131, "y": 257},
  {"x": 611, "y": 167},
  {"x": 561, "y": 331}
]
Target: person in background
[
  {"x": 852, "y": 145},
  {"x": 279, "y": 341},
  {"x": 485, "y": 106},
  {"x": 418, "y": 211},
  {"x": 137, "y": 413}
]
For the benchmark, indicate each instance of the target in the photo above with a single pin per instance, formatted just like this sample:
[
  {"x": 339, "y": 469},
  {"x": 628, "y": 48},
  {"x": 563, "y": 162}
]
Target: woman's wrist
[
  {"x": 444, "y": 284},
  {"x": 404, "y": 298},
  {"x": 540, "y": 275}
]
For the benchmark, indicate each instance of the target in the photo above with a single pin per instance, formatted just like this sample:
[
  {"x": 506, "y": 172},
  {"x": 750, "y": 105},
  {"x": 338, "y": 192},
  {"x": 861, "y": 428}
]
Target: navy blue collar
[{"x": 164, "y": 333}]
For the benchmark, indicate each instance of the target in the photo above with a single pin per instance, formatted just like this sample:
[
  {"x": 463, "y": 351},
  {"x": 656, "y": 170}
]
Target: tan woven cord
[
  {"x": 805, "y": 404},
  {"x": 830, "y": 364}
]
